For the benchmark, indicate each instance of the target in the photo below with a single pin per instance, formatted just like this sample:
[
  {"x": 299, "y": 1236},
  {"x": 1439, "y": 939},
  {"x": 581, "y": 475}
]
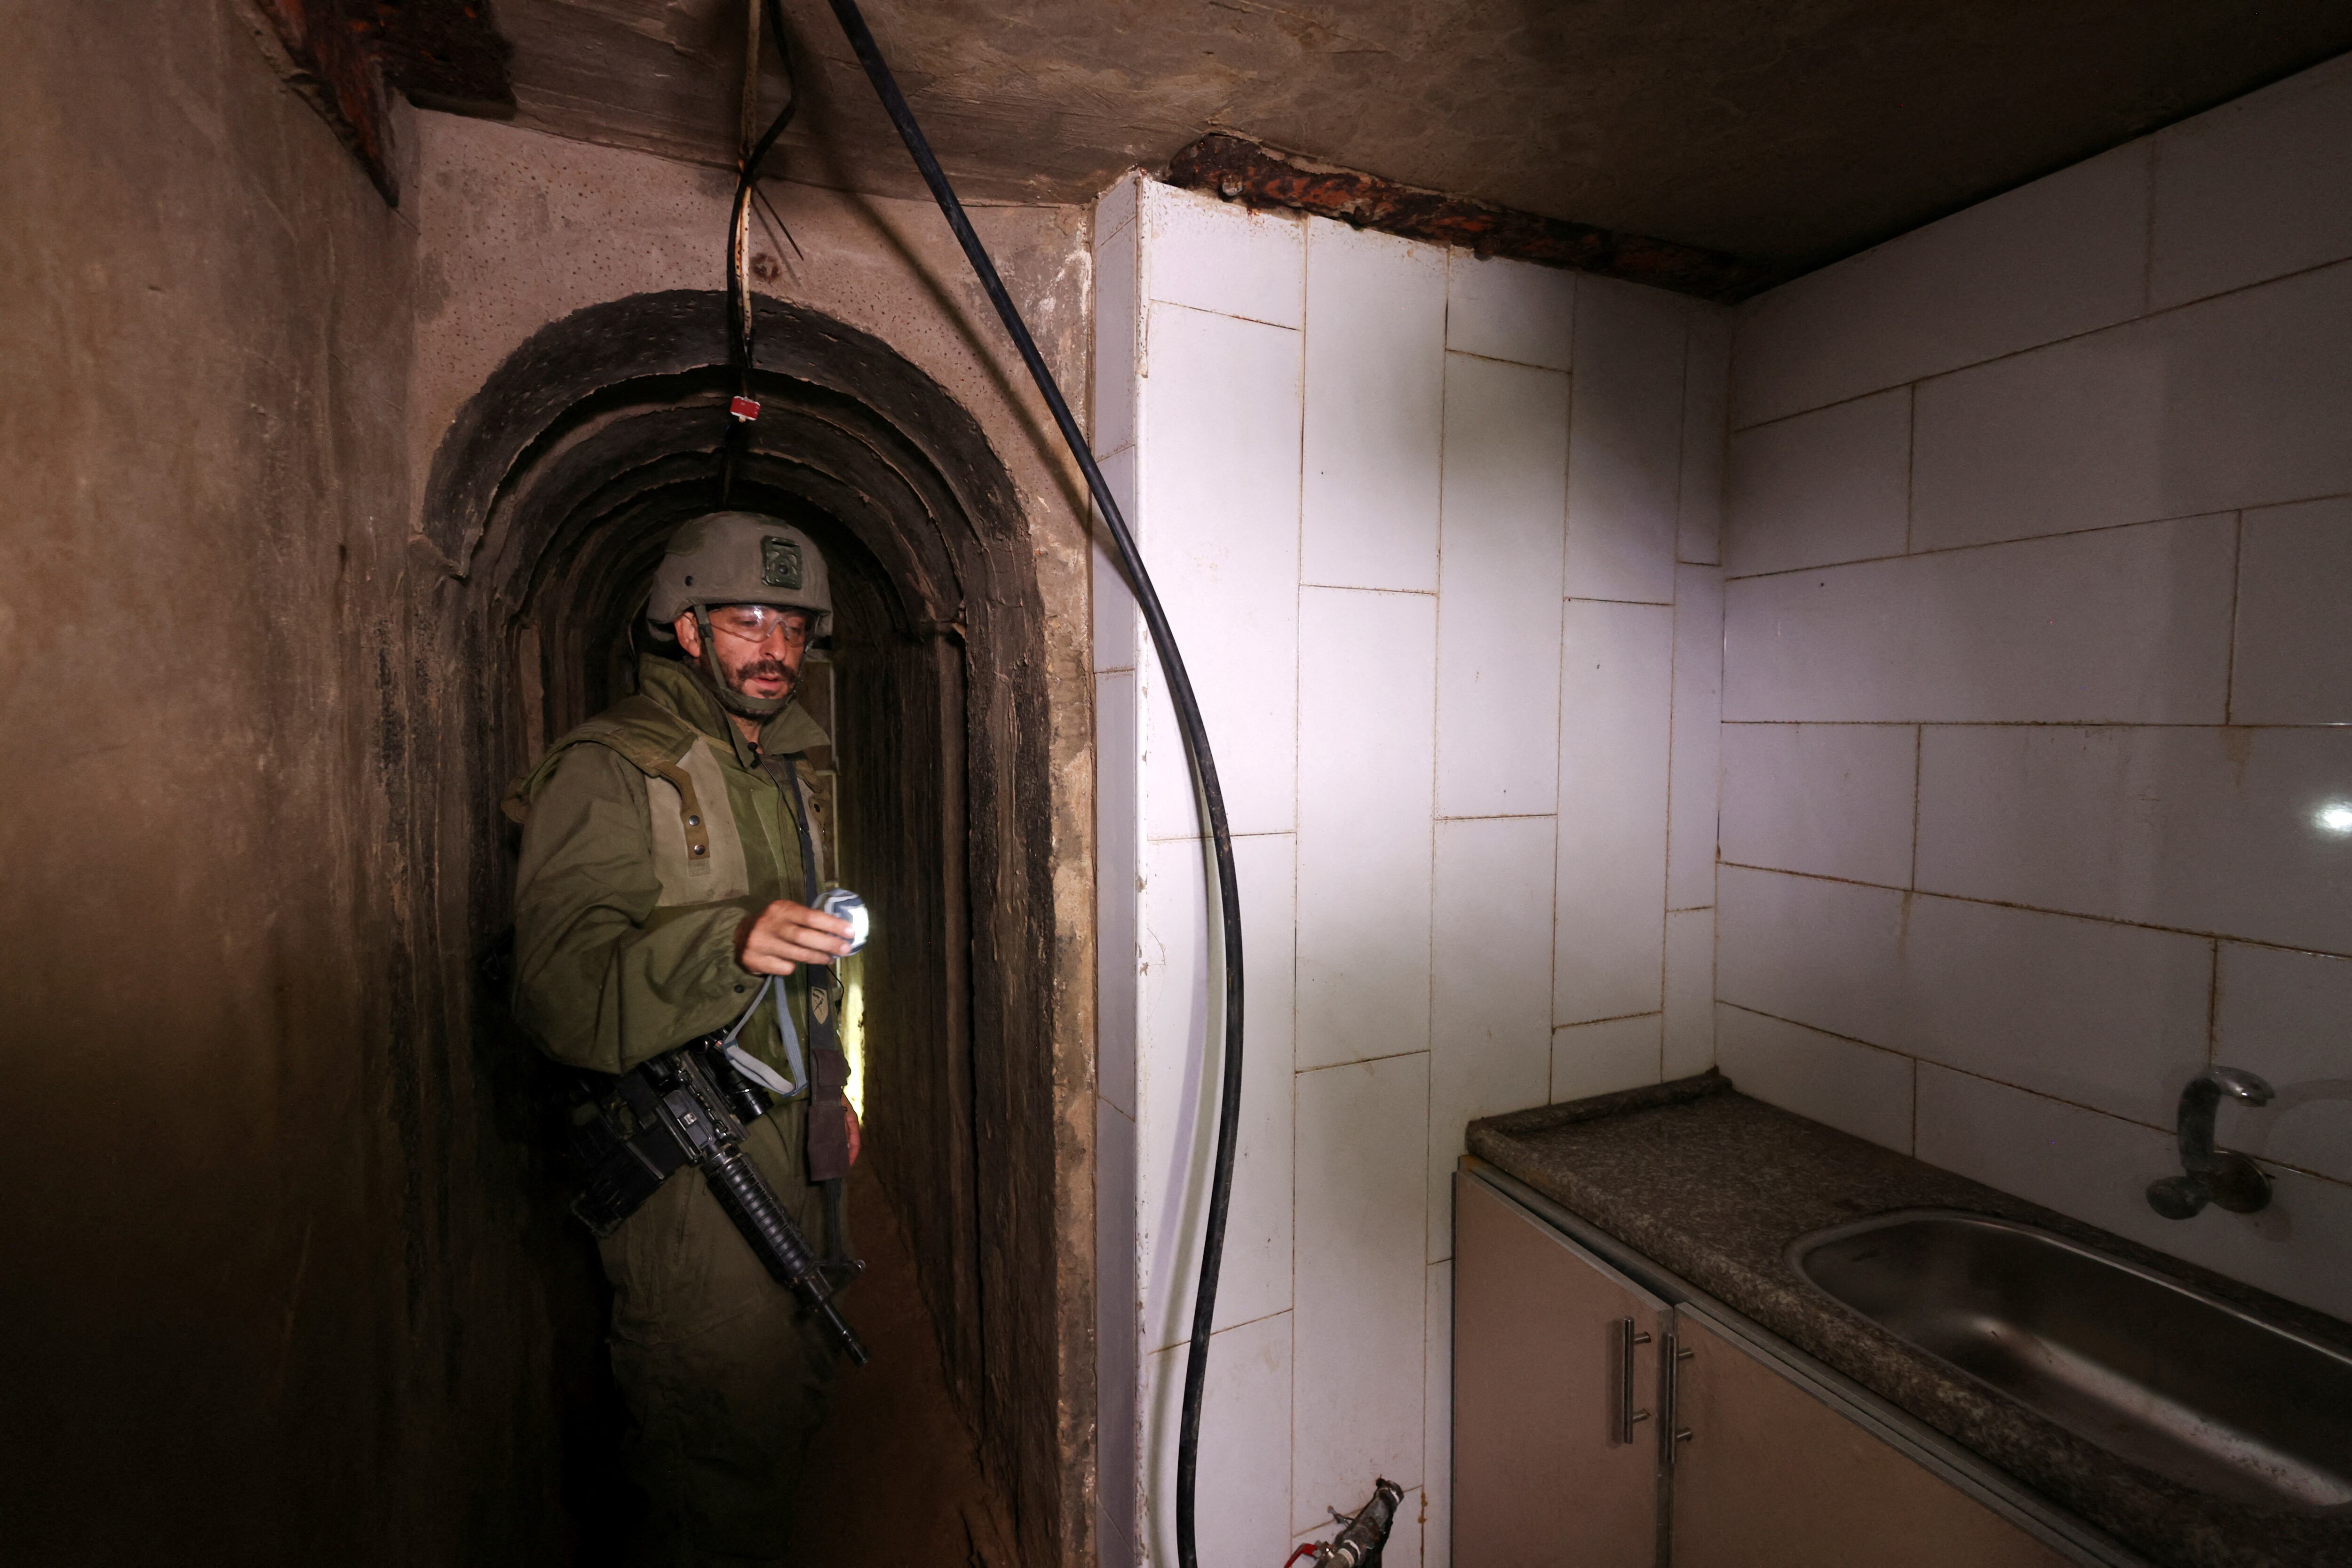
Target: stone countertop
[{"x": 1713, "y": 1186}]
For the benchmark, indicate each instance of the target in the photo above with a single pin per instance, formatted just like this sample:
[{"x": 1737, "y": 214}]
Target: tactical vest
[
  {"x": 699, "y": 860},
  {"x": 698, "y": 852}
]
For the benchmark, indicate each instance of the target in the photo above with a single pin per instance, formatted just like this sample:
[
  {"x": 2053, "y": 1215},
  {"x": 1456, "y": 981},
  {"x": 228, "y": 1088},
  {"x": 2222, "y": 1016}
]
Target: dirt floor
[{"x": 895, "y": 1477}]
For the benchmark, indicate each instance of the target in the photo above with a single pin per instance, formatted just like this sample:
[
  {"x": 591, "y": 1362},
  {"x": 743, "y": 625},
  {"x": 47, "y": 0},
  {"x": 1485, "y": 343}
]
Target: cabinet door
[
  {"x": 1549, "y": 1472},
  {"x": 1770, "y": 1477}
]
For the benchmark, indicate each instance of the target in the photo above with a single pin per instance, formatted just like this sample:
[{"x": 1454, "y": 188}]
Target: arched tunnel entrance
[{"x": 560, "y": 481}]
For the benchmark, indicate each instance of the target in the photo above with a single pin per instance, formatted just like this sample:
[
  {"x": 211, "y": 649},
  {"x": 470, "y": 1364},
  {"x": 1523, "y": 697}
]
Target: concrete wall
[
  {"x": 1438, "y": 538},
  {"x": 2037, "y": 772},
  {"x": 521, "y": 229},
  {"x": 272, "y": 1277}
]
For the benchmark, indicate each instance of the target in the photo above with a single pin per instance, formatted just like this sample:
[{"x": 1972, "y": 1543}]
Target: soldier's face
[{"x": 760, "y": 646}]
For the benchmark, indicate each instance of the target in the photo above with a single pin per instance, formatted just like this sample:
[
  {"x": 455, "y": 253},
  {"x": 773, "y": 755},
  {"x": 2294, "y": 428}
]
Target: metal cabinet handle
[
  {"x": 1676, "y": 1355},
  {"x": 1628, "y": 1336}
]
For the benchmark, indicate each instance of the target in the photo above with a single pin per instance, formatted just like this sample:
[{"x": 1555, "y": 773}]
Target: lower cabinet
[
  {"x": 1597, "y": 1425},
  {"x": 1555, "y": 1370}
]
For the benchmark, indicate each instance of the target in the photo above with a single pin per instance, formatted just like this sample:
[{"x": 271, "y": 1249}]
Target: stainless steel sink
[{"x": 2164, "y": 1376}]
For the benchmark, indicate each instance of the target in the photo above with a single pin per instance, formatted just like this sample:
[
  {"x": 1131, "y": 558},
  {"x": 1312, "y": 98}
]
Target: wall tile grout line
[
  {"x": 1157, "y": 303},
  {"x": 1298, "y": 817},
  {"x": 2213, "y": 1004},
  {"x": 1221, "y": 1330},
  {"x": 1918, "y": 790},
  {"x": 1914, "y": 1150},
  {"x": 1918, "y": 1061},
  {"x": 2237, "y": 603},
  {"x": 1910, "y": 466},
  {"x": 2044, "y": 910},
  {"x": 1515, "y": 364},
  {"x": 2013, "y": 725},
  {"x": 2021, "y": 539},
  {"x": 1361, "y": 1061},
  {"x": 1559, "y": 700},
  {"x": 2148, "y": 315},
  {"x": 1613, "y": 1018}
]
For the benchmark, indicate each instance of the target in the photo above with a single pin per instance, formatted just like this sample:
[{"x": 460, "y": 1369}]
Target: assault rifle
[{"x": 688, "y": 1106}]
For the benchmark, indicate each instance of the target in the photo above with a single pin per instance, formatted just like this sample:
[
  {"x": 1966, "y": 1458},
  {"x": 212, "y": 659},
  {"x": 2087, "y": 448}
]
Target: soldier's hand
[
  {"x": 784, "y": 934},
  {"x": 856, "y": 1132}
]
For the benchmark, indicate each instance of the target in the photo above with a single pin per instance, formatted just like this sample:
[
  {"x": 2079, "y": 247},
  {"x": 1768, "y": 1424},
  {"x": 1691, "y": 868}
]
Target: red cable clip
[
  {"x": 744, "y": 408},
  {"x": 1313, "y": 1549}
]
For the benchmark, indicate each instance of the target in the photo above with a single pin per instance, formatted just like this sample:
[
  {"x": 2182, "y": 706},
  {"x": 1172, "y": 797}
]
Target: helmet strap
[{"x": 714, "y": 678}]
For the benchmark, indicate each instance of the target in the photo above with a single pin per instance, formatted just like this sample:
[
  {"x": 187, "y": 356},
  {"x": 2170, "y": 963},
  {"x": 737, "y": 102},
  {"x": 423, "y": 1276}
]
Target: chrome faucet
[{"x": 2212, "y": 1175}]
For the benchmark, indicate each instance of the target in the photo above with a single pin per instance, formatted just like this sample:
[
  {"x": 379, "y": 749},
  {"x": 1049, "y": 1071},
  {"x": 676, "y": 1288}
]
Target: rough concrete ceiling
[{"x": 1787, "y": 133}]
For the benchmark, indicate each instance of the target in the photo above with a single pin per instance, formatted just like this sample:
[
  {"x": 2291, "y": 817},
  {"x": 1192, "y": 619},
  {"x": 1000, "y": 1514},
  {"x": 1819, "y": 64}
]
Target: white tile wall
[
  {"x": 1615, "y": 683},
  {"x": 1840, "y": 1083},
  {"x": 2128, "y": 626},
  {"x": 1625, "y": 448},
  {"x": 2097, "y": 1168},
  {"x": 1362, "y": 1283},
  {"x": 1834, "y": 799},
  {"x": 1367, "y": 703},
  {"x": 1375, "y": 384},
  {"x": 1246, "y": 1437},
  {"x": 2294, "y": 658},
  {"x": 1437, "y": 1400},
  {"x": 2113, "y": 618},
  {"x": 1602, "y": 1058},
  {"x": 1222, "y": 256},
  {"x": 1118, "y": 871},
  {"x": 1499, "y": 625},
  {"x": 1832, "y": 485},
  {"x": 1119, "y": 634},
  {"x": 2202, "y": 829},
  {"x": 1694, "y": 762},
  {"x": 1118, "y": 324},
  {"x": 1401, "y": 945},
  {"x": 1490, "y": 1013},
  {"x": 1118, "y": 1336},
  {"x": 1817, "y": 952},
  {"x": 2237, "y": 401},
  {"x": 2111, "y": 1017},
  {"x": 1179, "y": 1089},
  {"x": 1689, "y": 1022},
  {"x": 2062, "y": 256},
  {"x": 2288, "y": 1016},
  {"x": 1511, "y": 310},
  {"x": 1222, "y": 541},
  {"x": 2254, "y": 190},
  {"x": 2108, "y": 1016},
  {"x": 1707, "y": 408}
]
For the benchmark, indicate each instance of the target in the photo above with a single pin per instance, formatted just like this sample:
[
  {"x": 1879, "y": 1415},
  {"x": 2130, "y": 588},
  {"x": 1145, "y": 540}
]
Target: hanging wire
[
  {"x": 1188, "y": 720},
  {"x": 742, "y": 316}
]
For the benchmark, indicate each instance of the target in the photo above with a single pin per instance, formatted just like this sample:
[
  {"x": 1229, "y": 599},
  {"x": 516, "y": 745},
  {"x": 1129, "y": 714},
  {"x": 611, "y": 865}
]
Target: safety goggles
[{"x": 758, "y": 623}]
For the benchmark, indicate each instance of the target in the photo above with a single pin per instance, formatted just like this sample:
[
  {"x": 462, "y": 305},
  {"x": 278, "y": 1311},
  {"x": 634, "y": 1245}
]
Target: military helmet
[{"x": 740, "y": 558}]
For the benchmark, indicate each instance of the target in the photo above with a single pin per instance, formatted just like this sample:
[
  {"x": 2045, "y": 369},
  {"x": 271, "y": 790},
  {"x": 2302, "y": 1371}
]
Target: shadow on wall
[{"x": 559, "y": 481}]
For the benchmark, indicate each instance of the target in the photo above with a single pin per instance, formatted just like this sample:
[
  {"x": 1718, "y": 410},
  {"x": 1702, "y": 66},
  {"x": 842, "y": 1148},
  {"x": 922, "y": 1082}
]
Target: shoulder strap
[{"x": 651, "y": 739}]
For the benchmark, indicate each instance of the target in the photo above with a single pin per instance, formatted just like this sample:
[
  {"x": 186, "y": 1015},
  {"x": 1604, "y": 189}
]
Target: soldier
[{"x": 668, "y": 867}]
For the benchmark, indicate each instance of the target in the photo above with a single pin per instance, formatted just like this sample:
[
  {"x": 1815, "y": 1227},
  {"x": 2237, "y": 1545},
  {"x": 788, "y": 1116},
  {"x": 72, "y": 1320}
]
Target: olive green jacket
[{"x": 648, "y": 834}]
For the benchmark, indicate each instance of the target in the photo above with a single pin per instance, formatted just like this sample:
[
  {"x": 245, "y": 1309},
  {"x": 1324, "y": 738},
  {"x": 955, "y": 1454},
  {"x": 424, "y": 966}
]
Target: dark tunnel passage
[{"x": 574, "y": 462}]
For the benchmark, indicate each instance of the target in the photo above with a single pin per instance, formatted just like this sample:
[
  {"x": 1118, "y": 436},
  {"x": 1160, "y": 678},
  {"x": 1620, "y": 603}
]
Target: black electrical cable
[
  {"x": 740, "y": 312},
  {"x": 1188, "y": 719}
]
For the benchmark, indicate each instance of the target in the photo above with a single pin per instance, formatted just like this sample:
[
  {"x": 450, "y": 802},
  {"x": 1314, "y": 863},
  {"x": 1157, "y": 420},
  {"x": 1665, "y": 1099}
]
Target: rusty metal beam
[
  {"x": 347, "y": 56},
  {"x": 444, "y": 54},
  {"x": 1244, "y": 171}
]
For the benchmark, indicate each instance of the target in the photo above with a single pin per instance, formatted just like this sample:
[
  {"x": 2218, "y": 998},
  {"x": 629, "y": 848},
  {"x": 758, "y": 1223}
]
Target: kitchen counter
[{"x": 1713, "y": 1186}]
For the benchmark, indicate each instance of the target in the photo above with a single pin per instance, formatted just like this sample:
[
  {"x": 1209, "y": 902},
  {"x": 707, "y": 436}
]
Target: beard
[{"x": 741, "y": 676}]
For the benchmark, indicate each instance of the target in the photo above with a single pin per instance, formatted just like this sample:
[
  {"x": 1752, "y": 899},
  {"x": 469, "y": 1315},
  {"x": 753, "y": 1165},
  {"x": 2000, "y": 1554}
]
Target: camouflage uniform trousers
[{"x": 726, "y": 1380}]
